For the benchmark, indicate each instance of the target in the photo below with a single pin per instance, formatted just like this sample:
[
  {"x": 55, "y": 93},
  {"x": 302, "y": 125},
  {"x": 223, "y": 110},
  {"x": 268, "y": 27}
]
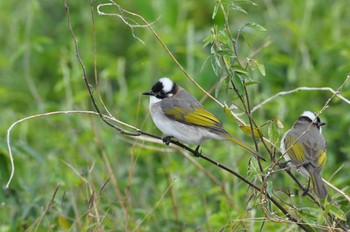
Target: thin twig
[{"x": 282, "y": 93}]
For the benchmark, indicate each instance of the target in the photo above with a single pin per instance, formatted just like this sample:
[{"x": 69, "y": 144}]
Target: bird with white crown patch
[
  {"x": 306, "y": 150},
  {"x": 181, "y": 116}
]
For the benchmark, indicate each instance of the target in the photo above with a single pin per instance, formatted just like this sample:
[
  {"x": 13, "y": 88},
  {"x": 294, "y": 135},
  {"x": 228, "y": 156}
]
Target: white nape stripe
[
  {"x": 167, "y": 84},
  {"x": 310, "y": 115}
]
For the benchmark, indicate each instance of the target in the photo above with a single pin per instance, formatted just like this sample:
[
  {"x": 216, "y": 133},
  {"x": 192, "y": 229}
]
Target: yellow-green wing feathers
[
  {"x": 321, "y": 159},
  {"x": 202, "y": 117},
  {"x": 297, "y": 151},
  {"x": 302, "y": 152},
  {"x": 198, "y": 116}
]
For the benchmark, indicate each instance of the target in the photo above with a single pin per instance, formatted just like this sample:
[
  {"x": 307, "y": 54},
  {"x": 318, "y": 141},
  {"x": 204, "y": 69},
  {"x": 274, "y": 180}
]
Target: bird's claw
[
  {"x": 283, "y": 165},
  {"x": 197, "y": 152},
  {"x": 167, "y": 139},
  {"x": 306, "y": 190}
]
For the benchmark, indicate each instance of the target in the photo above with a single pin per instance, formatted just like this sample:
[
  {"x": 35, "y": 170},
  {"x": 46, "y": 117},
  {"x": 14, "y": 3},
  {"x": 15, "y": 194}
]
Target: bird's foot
[
  {"x": 306, "y": 190},
  {"x": 167, "y": 139},
  {"x": 283, "y": 165},
  {"x": 197, "y": 152}
]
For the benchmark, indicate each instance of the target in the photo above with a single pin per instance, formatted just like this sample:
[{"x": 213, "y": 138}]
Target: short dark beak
[
  {"x": 149, "y": 93},
  {"x": 321, "y": 124}
]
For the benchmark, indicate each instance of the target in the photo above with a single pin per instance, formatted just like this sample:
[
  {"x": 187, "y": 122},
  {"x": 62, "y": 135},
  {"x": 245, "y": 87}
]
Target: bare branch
[
  {"x": 282, "y": 93},
  {"x": 131, "y": 23}
]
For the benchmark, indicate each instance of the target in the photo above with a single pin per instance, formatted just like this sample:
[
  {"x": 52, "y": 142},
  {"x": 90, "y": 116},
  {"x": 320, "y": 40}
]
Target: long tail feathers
[
  {"x": 318, "y": 185},
  {"x": 245, "y": 146}
]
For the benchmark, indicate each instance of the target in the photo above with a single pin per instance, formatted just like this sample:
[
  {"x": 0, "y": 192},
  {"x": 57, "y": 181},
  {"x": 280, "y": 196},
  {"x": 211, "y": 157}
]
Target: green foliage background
[{"x": 158, "y": 190}]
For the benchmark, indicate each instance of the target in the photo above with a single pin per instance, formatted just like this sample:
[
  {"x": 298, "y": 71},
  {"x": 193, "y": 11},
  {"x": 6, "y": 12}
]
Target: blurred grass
[{"x": 163, "y": 190}]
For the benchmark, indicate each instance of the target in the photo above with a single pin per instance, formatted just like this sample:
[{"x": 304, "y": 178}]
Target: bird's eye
[{"x": 161, "y": 94}]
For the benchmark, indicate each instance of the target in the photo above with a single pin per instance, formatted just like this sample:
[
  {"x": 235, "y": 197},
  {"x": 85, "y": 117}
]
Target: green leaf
[
  {"x": 251, "y": 83},
  {"x": 215, "y": 11},
  {"x": 225, "y": 52},
  {"x": 269, "y": 188},
  {"x": 218, "y": 86},
  {"x": 223, "y": 37},
  {"x": 238, "y": 8},
  {"x": 239, "y": 69},
  {"x": 207, "y": 40},
  {"x": 273, "y": 133},
  {"x": 205, "y": 63},
  {"x": 238, "y": 84},
  {"x": 212, "y": 50},
  {"x": 255, "y": 26},
  {"x": 247, "y": 130},
  {"x": 216, "y": 65},
  {"x": 337, "y": 212},
  {"x": 260, "y": 67}
]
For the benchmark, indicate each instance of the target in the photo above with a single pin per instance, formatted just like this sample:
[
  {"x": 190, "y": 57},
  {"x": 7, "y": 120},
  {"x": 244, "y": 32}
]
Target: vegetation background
[{"x": 103, "y": 180}]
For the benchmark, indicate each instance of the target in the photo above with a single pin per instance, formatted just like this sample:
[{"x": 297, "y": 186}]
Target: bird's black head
[{"x": 163, "y": 88}]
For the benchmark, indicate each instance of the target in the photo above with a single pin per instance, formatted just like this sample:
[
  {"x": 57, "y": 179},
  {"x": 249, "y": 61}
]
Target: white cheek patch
[
  {"x": 310, "y": 115},
  {"x": 167, "y": 84},
  {"x": 153, "y": 100}
]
